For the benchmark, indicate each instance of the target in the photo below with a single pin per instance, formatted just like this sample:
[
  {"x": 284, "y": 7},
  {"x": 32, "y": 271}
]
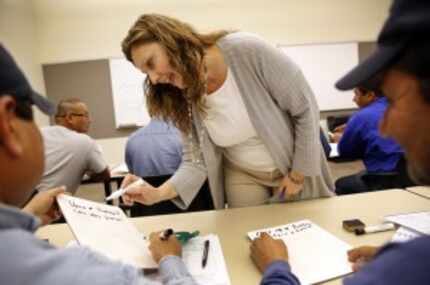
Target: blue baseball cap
[
  {"x": 407, "y": 27},
  {"x": 14, "y": 83}
]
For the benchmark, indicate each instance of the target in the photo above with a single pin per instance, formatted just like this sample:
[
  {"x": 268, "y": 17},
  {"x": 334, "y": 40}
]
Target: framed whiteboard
[
  {"x": 127, "y": 94},
  {"x": 323, "y": 65}
]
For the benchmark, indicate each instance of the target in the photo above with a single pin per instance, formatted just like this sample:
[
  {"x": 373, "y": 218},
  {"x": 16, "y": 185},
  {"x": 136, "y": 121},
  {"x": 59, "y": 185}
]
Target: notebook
[
  {"x": 417, "y": 221},
  {"x": 315, "y": 255},
  {"x": 106, "y": 230}
]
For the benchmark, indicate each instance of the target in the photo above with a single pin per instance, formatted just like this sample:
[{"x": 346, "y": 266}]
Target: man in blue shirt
[
  {"x": 361, "y": 140},
  {"x": 401, "y": 66},
  {"x": 26, "y": 259},
  {"x": 154, "y": 150}
]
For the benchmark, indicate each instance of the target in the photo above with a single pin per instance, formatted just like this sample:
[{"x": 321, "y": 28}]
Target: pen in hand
[
  {"x": 122, "y": 191},
  {"x": 166, "y": 234},
  {"x": 205, "y": 253}
]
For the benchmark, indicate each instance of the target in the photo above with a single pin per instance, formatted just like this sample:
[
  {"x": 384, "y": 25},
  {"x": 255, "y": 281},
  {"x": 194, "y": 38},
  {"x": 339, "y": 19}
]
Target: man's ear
[{"x": 9, "y": 127}]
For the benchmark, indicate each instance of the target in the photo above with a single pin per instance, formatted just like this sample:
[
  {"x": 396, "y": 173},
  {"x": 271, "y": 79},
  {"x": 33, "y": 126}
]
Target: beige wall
[
  {"x": 92, "y": 29},
  {"x": 19, "y": 35},
  {"x": 87, "y": 29}
]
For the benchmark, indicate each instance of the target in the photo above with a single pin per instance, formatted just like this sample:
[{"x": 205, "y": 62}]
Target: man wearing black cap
[
  {"x": 401, "y": 68},
  {"x": 26, "y": 259}
]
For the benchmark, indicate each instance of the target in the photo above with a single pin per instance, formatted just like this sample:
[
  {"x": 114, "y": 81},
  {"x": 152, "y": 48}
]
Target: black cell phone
[{"x": 352, "y": 225}]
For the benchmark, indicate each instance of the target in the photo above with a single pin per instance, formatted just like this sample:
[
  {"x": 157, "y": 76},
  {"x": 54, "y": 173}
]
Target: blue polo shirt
[
  {"x": 362, "y": 140},
  {"x": 154, "y": 150}
]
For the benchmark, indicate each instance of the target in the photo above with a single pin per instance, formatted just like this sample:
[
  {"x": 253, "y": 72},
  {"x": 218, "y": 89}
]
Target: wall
[
  {"x": 93, "y": 29},
  {"x": 18, "y": 34},
  {"x": 88, "y": 29}
]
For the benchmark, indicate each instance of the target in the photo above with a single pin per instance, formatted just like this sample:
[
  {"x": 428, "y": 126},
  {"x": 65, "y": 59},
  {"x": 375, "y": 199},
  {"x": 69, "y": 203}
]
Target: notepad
[
  {"x": 215, "y": 271},
  {"x": 106, "y": 230},
  {"x": 404, "y": 235},
  {"x": 418, "y": 221},
  {"x": 315, "y": 255},
  {"x": 333, "y": 150}
]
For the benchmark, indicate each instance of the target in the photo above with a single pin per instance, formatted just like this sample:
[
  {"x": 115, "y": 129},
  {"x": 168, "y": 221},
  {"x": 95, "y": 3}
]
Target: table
[
  {"x": 114, "y": 177},
  {"x": 231, "y": 225},
  {"x": 423, "y": 191}
]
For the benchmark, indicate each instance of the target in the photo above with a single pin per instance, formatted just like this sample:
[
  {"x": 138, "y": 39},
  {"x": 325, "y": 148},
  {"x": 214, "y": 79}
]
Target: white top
[
  {"x": 68, "y": 156},
  {"x": 229, "y": 127}
]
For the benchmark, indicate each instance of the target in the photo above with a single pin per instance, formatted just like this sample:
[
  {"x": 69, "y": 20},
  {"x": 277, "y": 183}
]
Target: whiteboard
[
  {"x": 323, "y": 65},
  {"x": 127, "y": 92}
]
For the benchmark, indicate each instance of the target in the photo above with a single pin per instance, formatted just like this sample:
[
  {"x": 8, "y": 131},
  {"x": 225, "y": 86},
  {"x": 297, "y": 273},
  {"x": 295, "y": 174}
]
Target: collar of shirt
[{"x": 11, "y": 217}]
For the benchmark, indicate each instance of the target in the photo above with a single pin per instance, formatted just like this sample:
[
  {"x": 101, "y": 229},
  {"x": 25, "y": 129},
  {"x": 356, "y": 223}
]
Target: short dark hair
[{"x": 370, "y": 87}]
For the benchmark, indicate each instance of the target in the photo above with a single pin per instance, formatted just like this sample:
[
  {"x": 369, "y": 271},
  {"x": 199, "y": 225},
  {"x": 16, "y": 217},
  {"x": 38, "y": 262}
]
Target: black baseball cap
[
  {"x": 14, "y": 83},
  {"x": 407, "y": 26}
]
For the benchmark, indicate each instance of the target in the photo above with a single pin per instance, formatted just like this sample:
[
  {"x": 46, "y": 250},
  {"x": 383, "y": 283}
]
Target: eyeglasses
[
  {"x": 80, "y": 115},
  {"x": 74, "y": 114}
]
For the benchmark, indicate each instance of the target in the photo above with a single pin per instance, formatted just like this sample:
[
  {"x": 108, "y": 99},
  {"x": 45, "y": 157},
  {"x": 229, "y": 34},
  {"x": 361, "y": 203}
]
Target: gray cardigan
[{"x": 283, "y": 111}]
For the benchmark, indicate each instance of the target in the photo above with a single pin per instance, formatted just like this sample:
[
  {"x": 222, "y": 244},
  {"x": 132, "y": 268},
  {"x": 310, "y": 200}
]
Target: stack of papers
[
  {"x": 419, "y": 221},
  {"x": 315, "y": 255}
]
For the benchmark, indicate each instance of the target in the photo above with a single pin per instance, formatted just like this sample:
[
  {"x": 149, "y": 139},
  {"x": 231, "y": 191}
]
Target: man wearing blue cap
[
  {"x": 401, "y": 68},
  {"x": 24, "y": 258}
]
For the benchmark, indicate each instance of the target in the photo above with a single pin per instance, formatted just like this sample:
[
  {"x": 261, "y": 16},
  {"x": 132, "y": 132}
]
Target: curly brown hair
[{"x": 185, "y": 48}]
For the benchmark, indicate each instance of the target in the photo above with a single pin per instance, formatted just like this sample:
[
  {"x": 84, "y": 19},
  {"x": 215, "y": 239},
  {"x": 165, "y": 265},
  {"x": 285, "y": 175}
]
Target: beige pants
[{"x": 246, "y": 188}]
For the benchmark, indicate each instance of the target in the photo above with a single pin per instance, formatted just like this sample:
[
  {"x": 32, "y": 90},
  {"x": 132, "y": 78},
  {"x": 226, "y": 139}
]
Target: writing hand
[
  {"x": 144, "y": 194},
  {"x": 161, "y": 248},
  {"x": 265, "y": 250},
  {"x": 340, "y": 128}
]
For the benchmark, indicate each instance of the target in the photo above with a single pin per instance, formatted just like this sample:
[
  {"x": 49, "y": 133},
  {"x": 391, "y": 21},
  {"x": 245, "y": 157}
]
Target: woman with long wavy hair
[{"x": 249, "y": 120}]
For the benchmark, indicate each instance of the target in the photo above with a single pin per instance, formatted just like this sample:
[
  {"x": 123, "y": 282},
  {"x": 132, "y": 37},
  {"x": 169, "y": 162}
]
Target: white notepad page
[
  {"x": 107, "y": 230},
  {"x": 215, "y": 271},
  {"x": 418, "y": 221},
  {"x": 315, "y": 255}
]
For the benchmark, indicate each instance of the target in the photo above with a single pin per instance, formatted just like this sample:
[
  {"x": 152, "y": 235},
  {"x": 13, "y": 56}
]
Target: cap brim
[
  {"x": 43, "y": 104},
  {"x": 376, "y": 62}
]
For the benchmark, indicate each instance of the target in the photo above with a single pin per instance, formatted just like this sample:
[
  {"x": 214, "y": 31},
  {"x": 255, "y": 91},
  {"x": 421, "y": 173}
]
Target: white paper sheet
[
  {"x": 315, "y": 255},
  {"x": 107, "y": 230},
  {"x": 419, "y": 221},
  {"x": 333, "y": 150},
  {"x": 403, "y": 235},
  {"x": 215, "y": 272},
  {"x": 120, "y": 169}
]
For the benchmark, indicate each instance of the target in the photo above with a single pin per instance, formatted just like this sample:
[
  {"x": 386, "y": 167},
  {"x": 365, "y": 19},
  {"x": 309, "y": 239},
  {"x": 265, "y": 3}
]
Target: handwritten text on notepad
[
  {"x": 95, "y": 211},
  {"x": 287, "y": 230}
]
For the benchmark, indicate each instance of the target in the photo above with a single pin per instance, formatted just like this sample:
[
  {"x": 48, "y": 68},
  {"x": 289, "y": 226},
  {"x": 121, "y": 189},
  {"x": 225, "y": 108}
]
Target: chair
[{"x": 399, "y": 178}]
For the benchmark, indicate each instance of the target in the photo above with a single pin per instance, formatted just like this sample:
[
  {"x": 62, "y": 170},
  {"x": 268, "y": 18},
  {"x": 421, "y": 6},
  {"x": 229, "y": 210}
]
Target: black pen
[
  {"x": 166, "y": 234},
  {"x": 205, "y": 254}
]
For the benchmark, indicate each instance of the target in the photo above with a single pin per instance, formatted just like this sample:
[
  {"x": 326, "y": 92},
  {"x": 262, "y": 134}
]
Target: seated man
[
  {"x": 26, "y": 259},
  {"x": 154, "y": 150},
  {"x": 402, "y": 63},
  {"x": 69, "y": 151},
  {"x": 360, "y": 140}
]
